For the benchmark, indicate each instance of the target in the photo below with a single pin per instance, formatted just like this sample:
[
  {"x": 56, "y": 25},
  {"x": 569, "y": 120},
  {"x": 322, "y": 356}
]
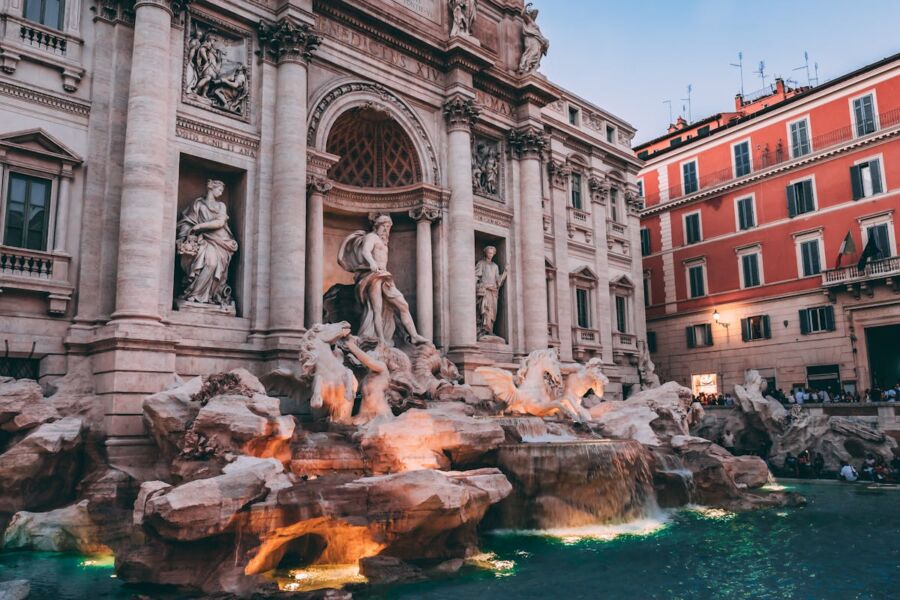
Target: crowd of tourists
[
  {"x": 872, "y": 469},
  {"x": 805, "y": 395},
  {"x": 714, "y": 399}
]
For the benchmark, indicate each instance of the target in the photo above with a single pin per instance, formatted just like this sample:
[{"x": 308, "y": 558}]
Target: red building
[{"x": 753, "y": 231}]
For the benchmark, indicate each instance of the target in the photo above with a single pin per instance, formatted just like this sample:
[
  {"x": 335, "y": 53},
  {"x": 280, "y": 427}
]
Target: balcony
[
  {"x": 36, "y": 271},
  {"x": 624, "y": 341},
  {"x": 21, "y": 39},
  {"x": 585, "y": 343},
  {"x": 767, "y": 158},
  {"x": 579, "y": 226},
  {"x": 856, "y": 281}
]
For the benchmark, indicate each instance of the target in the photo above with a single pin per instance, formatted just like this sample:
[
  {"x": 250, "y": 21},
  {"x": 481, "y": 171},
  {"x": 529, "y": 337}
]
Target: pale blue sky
[{"x": 630, "y": 55}]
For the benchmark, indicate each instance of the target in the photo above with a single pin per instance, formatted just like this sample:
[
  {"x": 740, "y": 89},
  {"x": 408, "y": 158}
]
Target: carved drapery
[{"x": 287, "y": 40}]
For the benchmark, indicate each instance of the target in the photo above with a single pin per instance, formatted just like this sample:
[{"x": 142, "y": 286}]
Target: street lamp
[{"x": 718, "y": 318}]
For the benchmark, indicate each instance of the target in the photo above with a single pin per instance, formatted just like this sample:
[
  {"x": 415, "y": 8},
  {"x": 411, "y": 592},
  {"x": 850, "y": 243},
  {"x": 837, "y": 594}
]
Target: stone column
[
  {"x": 318, "y": 187},
  {"x": 461, "y": 113},
  {"x": 528, "y": 144},
  {"x": 599, "y": 189},
  {"x": 290, "y": 44},
  {"x": 559, "y": 174},
  {"x": 424, "y": 216},
  {"x": 62, "y": 214},
  {"x": 145, "y": 164}
]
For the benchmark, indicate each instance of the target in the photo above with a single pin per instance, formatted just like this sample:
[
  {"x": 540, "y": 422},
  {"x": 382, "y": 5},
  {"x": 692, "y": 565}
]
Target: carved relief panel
[
  {"x": 487, "y": 168},
  {"x": 216, "y": 66}
]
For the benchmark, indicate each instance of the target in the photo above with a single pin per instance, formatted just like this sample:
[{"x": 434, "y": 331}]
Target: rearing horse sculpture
[
  {"x": 580, "y": 380},
  {"x": 534, "y": 388}
]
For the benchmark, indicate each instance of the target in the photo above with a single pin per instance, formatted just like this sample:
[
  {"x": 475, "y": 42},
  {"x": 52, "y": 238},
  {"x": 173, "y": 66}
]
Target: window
[
  {"x": 697, "y": 280},
  {"x": 742, "y": 159},
  {"x": 689, "y": 177},
  {"x": 645, "y": 242},
  {"x": 699, "y": 336},
  {"x": 575, "y": 191},
  {"x": 746, "y": 215},
  {"x": 703, "y": 131},
  {"x": 800, "y": 198},
  {"x": 647, "y": 298},
  {"x": 583, "y": 307},
  {"x": 27, "y": 212},
  {"x": 573, "y": 115},
  {"x": 864, "y": 115},
  {"x": 817, "y": 319},
  {"x": 882, "y": 236},
  {"x": 614, "y": 204},
  {"x": 692, "y": 233},
  {"x": 756, "y": 328},
  {"x": 621, "y": 314},
  {"x": 674, "y": 142},
  {"x": 610, "y": 134},
  {"x": 810, "y": 258},
  {"x": 45, "y": 12},
  {"x": 800, "y": 138},
  {"x": 640, "y": 186},
  {"x": 750, "y": 276},
  {"x": 651, "y": 341},
  {"x": 865, "y": 179}
]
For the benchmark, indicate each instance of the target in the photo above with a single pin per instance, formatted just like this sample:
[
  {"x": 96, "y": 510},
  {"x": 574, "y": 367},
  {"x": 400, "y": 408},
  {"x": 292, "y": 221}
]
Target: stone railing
[
  {"x": 43, "y": 39},
  {"x": 624, "y": 340},
  {"x": 876, "y": 269},
  {"x": 585, "y": 337},
  {"x": 616, "y": 229},
  {"x": 36, "y": 271},
  {"x": 579, "y": 217}
]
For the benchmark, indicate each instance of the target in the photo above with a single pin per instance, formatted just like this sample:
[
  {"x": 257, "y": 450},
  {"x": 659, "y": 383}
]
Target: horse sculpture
[
  {"x": 533, "y": 390},
  {"x": 580, "y": 380}
]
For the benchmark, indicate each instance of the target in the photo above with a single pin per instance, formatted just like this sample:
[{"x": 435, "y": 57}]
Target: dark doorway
[
  {"x": 824, "y": 377},
  {"x": 884, "y": 355}
]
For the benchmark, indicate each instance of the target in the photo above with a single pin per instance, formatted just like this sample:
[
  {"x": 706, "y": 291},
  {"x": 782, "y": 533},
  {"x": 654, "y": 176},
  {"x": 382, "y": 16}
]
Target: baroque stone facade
[{"x": 287, "y": 104}]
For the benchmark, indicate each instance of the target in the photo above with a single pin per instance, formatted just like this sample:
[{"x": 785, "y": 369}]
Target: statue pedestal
[
  {"x": 206, "y": 309},
  {"x": 492, "y": 340}
]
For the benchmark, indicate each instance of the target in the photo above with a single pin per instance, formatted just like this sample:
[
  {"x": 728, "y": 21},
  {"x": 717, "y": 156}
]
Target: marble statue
[
  {"x": 533, "y": 390},
  {"x": 462, "y": 17},
  {"x": 580, "y": 380},
  {"x": 376, "y": 383},
  {"x": 214, "y": 71},
  {"x": 536, "y": 45},
  {"x": 333, "y": 385},
  {"x": 366, "y": 255},
  {"x": 205, "y": 245},
  {"x": 488, "y": 281},
  {"x": 647, "y": 370},
  {"x": 486, "y": 170}
]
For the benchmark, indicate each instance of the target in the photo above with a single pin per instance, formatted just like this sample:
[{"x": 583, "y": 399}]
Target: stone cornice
[
  {"x": 75, "y": 107},
  {"x": 388, "y": 200},
  {"x": 287, "y": 41},
  {"x": 461, "y": 112},
  {"x": 216, "y": 137},
  {"x": 495, "y": 215},
  {"x": 770, "y": 172}
]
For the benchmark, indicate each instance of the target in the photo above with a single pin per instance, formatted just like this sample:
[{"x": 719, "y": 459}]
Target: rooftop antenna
[
  {"x": 740, "y": 65},
  {"x": 669, "y": 102},
  {"x": 690, "y": 88},
  {"x": 805, "y": 66},
  {"x": 816, "y": 78},
  {"x": 762, "y": 72}
]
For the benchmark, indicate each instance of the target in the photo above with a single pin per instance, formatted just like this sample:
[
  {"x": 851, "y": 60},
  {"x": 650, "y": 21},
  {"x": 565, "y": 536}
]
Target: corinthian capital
[
  {"x": 599, "y": 189},
  {"x": 528, "y": 142},
  {"x": 426, "y": 212},
  {"x": 461, "y": 112},
  {"x": 287, "y": 41},
  {"x": 559, "y": 174},
  {"x": 317, "y": 183}
]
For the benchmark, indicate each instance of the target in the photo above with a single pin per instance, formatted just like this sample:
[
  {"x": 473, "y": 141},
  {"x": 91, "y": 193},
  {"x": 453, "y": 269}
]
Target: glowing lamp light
[{"x": 716, "y": 315}]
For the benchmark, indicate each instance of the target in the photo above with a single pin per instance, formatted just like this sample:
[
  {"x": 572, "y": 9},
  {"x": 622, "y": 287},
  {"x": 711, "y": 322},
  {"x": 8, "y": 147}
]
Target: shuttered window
[
  {"x": 645, "y": 242},
  {"x": 800, "y": 198},
  {"x": 689, "y": 177},
  {"x": 882, "y": 239},
  {"x": 695, "y": 279},
  {"x": 750, "y": 269},
  {"x": 699, "y": 336},
  {"x": 756, "y": 328},
  {"x": 742, "y": 159},
  {"x": 800, "y": 139},
  {"x": 809, "y": 258},
  {"x": 864, "y": 115},
  {"x": 817, "y": 319},
  {"x": 865, "y": 179},
  {"x": 692, "y": 233},
  {"x": 746, "y": 215}
]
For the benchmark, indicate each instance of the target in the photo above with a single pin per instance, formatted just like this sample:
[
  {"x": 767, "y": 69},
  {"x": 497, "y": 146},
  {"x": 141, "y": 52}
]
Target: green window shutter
[
  {"x": 767, "y": 327},
  {"x": 808, "y": 203},
  {"x": 791, "y": 201},
  {"x": 856, "y": 182},
  {"x": 709, "y": 337},
  {"x": 691, "y": 340},
  {"x": 829, "y": 318},
  {"x": 745, "y": 330},
  {"x": 875, "y": 170},
  {"x": 804, "y": 321}
]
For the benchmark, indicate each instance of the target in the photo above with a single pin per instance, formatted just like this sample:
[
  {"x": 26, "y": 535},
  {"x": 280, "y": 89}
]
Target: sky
[{"x": 628, "y": 56}]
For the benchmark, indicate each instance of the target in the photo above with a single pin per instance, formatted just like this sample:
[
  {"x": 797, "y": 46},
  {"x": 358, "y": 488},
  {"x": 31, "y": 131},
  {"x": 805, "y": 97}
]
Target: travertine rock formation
[{"x": 69, "y": 529}]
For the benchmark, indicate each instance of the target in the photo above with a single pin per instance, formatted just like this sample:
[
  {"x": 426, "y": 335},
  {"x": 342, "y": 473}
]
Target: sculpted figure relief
[
  {"x": 536, "y": 45},
  {"x": 488, "y": 281},
  {"x": 215, "y": 71},
  {"x": 647, "y": 370},
  {"x": 205, "y": 245},
  {"x": 366, "y": 255},
  {"x": 462, "y": 17},
  {"x": 486, "y": 169}
]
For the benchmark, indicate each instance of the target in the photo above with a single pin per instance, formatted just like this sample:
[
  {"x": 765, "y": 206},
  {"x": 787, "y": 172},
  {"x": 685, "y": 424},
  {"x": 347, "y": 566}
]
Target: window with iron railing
[
  {"x": 800, "y": 139},
  {"x": 742, "y": 165},
  {"x": 865, "y": 179},
  {"x": 27, "y": 212},
  {"x": 864, "y": 115}
]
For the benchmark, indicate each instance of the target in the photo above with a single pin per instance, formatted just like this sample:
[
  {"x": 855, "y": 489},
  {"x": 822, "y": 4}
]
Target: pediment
[
  {"x": 622, "y": 282},
  {"x": 39, "y": 142},
  {"x": 585, "y": 273}
]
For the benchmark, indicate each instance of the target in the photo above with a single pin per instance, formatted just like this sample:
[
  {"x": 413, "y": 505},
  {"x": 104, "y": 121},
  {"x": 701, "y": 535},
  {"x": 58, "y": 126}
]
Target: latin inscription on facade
[{"x": 427, "y": 8}]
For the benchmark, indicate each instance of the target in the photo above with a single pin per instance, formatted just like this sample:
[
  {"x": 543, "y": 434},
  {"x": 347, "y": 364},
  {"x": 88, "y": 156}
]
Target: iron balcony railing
[
  {"x": 876, "y": 269},
  {"x": 766, "y": 156}
]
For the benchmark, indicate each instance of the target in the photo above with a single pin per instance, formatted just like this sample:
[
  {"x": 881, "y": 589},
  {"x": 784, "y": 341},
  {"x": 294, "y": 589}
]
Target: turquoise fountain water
[{"x": 844, "y": 544}]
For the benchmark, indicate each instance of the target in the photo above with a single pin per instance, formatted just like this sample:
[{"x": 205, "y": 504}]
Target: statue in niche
[
  {"x": 215, "y": 73},
  {"x": 366, "y": 255},
  {"x": 486, "y": 169},
  {"x": 462, "y": 17},
  {"x": 488, "y": 281},
  {"x": 205, "y": 245},
  {"x": 536, "y": 45}
]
